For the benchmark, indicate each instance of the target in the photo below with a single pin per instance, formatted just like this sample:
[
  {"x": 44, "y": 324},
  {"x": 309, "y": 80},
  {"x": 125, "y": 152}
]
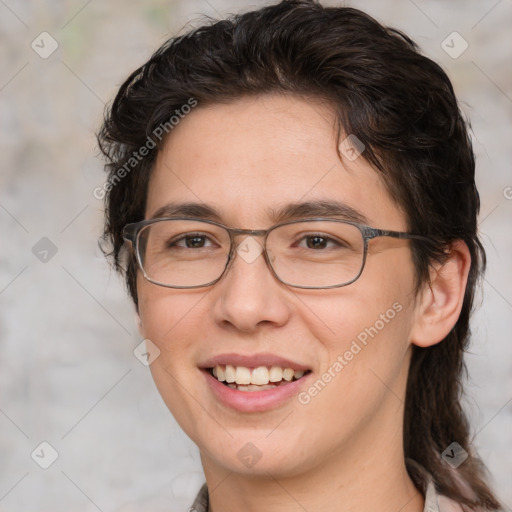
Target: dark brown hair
[{"x": 400, "y": 104}]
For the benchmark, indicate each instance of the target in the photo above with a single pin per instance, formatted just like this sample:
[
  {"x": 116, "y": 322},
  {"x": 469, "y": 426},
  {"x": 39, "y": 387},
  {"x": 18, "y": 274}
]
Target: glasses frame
[{"x": 132, "y": 231}]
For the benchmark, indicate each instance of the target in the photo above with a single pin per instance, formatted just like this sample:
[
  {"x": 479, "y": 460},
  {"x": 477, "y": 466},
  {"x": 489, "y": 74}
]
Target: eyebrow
[
  {"x": 320, "y": 208},
  {"x": 291, "y": 211}
]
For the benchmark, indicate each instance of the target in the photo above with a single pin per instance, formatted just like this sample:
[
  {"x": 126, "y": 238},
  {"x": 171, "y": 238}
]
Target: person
[{"x": 291, "y": 200}]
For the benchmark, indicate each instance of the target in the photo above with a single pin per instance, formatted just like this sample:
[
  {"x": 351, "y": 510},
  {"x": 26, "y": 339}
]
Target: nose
[{"x": 249, "y": 296}]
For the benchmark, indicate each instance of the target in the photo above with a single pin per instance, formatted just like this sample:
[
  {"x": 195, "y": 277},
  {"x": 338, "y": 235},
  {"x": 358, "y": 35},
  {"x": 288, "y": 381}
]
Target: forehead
[{"x": 255, "y": 155}]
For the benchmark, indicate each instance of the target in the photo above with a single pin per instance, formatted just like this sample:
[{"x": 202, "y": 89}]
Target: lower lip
[{"x": 254, "y": 401}]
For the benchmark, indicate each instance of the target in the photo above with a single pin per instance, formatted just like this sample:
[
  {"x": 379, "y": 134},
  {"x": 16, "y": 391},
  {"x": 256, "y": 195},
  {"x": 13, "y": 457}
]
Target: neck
[{"x": 368, "y": 475}]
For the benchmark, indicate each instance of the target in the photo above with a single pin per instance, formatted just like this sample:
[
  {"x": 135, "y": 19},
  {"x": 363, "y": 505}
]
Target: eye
[
  {"x": 191, "y": 241},
  {"x": 318, "y": 242}
]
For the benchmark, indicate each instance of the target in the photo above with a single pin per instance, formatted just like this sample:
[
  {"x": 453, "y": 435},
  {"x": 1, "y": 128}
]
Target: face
[{"x": 247, "y": 160}]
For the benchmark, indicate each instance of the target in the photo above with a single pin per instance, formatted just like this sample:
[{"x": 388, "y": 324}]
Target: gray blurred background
[{"x": 68, "y": 376}]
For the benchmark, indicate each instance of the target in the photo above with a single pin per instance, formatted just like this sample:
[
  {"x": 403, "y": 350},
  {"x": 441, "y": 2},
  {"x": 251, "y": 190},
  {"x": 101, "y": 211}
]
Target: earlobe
[{"x": 440, "y": 301}]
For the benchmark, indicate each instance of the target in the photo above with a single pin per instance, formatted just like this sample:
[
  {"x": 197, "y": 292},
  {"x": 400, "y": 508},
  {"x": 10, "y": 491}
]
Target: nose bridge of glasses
[
  {"x": 250, "y": 232},
  {"x": 248, "y": 249}
]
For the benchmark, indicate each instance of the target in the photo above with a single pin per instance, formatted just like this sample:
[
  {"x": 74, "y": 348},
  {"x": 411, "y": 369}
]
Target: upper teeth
[{"x": 260, "y": 375}]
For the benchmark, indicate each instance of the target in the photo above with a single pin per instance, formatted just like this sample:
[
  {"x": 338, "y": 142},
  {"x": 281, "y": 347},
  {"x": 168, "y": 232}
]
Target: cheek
[
  {"x": 364, "y": 365},
  {"x": 173, "y": 322},
  {"x": 162, "y": 312},
  {"x": 378, "y": 306},
  {"x": 366, "y": 326},
  {"x": 354, "y": 333}
]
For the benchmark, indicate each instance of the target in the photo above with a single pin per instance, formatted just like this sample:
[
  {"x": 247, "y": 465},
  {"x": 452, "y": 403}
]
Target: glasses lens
[
  {"x": 183, "y": 252},
  {"x": 316, "y": 253}
]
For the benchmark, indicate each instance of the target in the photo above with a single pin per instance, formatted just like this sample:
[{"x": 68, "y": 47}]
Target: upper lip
[{"x": 252, "y": 361}]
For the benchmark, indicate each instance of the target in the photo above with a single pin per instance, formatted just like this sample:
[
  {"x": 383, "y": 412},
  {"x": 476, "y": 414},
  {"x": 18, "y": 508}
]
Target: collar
[{"x": 425, "y": 483}]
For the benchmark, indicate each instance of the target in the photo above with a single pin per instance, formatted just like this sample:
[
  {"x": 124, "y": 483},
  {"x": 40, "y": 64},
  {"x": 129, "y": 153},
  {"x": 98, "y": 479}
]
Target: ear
[{"x": 440, "y": 300}]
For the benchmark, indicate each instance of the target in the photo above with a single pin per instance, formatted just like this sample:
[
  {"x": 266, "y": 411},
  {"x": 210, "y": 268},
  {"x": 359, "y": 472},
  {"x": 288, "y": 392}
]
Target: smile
[
  {"x": 253, "y": 383},
  {"x": 261, "y": 378}
]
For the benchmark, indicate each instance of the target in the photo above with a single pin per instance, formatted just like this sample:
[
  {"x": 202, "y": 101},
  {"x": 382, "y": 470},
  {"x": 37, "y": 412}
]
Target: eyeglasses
[{"x": 316, "y": 253}]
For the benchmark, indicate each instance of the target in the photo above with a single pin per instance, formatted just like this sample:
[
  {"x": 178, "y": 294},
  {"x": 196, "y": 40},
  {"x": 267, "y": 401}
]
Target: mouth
[{"x": 261, "y": 378}]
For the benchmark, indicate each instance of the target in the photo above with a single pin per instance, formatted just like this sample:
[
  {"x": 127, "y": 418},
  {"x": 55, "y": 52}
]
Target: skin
[{"x": 345, "y": 445}]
